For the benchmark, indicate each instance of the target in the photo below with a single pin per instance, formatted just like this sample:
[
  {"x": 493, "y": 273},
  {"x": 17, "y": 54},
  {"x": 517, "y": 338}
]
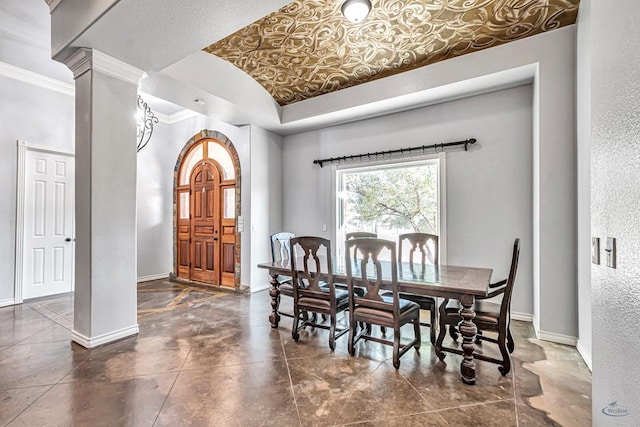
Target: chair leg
[
  {"x": 506, "y": 359},
  {"x": 432, "y": 332},
  {"x": 416, "y": 330},
  {"x": 353, "y": 328},
  {"x": 443, "y": 331},
  {"x": 396, "y": 347},
  {"x": 332, "y": 333},
  {"x": 453, "y": 332},
  {"x": 296, "y": 320},
  {"x": 510, "y": 343}
]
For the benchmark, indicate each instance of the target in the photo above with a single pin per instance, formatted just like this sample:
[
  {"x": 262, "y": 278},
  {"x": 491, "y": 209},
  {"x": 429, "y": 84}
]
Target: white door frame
[{"x": 23, "y": 146}]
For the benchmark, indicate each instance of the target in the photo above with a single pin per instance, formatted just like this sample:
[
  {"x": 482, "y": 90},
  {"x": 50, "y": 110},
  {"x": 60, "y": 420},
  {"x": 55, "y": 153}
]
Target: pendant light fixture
[{"x": 356, "y": 10}]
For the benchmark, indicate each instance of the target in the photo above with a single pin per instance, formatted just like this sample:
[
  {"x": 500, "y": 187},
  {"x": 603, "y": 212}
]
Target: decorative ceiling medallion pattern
[{"x": 308, "y": 48}]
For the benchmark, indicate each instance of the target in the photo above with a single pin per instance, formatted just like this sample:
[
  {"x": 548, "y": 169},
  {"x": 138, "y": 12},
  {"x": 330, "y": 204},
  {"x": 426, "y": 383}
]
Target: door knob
[{"x": 68, "y": 239}]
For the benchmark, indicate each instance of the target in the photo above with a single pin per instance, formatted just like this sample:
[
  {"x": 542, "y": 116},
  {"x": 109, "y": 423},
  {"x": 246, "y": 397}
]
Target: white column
[{"x": 105, "y": 307}]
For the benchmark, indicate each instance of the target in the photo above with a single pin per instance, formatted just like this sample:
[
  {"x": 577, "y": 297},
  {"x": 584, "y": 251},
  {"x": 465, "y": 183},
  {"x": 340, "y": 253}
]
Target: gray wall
[
  {"x": 615, "y": 197},
  {"x": 489, "y": 188},
  {"x": 37, "y": 116}
]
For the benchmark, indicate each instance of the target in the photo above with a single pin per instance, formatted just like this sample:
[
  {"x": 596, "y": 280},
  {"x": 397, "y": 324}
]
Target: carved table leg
[
  {"x": 468, "y": 331},
  {"x": 274, "y": 292}
]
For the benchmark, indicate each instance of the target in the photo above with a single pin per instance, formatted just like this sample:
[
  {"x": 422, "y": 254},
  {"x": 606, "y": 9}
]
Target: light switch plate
[
  {"x": 610, "y": 251},
  {"x": 595, "y": 250}
]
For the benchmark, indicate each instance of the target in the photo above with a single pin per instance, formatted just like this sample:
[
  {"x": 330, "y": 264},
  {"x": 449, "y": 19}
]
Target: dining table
[{"x": 441, "y": 281}]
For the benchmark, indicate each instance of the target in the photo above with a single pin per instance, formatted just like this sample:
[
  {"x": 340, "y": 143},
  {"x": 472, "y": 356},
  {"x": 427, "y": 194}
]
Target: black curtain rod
[{"x": 442, "y": 146}]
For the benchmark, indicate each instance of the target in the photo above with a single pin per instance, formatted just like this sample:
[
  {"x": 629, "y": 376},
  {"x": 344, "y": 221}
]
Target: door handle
[
  {"x": 215, "y": 238},
  {"x": 68, "y": 239}
]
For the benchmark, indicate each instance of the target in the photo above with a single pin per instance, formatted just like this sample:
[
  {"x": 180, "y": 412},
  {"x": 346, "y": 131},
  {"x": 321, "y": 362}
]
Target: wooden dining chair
[
  {"x": 281, "y": 251},
  {"x": 374, "y": 308},
  {"x": 490, "y": 316},
  {"x": 359, "y": 235},
  {"x": 427, "y": 245},
  {"x": 310, "y": 293}
]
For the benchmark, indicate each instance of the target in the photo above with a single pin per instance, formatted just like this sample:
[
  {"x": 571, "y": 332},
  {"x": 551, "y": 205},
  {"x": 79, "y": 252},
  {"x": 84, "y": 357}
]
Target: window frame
[{"x": 336, "y": 178}]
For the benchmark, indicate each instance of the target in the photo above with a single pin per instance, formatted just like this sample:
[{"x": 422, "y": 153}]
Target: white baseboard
[
  {"x": 153, "y": 277},
  {"x": 556, "y": 338},
  {"x": 7, "y": 302},
  {"x": 586, "y": 356},
  {"x": 104, "y": 338},
  {"x": 259, "y": 288},
  {"x": 523, "y": 317}
]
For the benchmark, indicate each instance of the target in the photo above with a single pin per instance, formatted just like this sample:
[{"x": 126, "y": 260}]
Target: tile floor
[{"x": 207, "y": 358}]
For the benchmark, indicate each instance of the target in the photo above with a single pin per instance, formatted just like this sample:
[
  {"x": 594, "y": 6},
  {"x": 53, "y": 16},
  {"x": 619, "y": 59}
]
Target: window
[{"x": 390, "y": 200}]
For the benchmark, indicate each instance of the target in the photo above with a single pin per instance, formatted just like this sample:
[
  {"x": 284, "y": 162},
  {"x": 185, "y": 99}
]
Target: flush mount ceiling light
[{"x": 356, "y": 10}]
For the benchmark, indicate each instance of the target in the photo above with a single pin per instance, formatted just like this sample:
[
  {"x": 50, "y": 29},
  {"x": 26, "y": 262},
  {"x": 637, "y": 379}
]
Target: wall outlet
[
  {"x": 595, "y": 250},
  {"x": 610, "y": 250},
  {"x": 324, "y": 227}
]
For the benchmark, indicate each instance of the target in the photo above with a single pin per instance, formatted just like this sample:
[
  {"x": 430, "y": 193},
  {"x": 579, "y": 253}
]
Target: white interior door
[{"x": 48, "y": 224}]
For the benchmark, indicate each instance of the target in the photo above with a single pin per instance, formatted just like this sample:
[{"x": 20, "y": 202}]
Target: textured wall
[{"x": 615, "y": 200}]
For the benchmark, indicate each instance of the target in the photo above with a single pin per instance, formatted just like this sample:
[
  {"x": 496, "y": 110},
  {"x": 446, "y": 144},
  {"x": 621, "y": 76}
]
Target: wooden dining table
[{"x": 442, "y": 281}]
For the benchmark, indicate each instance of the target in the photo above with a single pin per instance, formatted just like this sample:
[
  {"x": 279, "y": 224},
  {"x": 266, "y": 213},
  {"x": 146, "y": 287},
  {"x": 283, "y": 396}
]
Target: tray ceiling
[{"x": 308, "y": 48}]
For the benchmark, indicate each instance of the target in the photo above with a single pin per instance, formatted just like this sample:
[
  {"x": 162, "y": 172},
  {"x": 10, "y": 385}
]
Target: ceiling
[{"x": 307, "y": 48}]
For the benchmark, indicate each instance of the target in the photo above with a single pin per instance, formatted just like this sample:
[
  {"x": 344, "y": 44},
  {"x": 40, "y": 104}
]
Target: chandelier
[{"x": 146, "y": 119}]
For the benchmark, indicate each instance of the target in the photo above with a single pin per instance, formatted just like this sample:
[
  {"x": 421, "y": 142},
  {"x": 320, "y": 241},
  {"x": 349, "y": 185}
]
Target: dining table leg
[
  {"x": 468, "y": 331},
  {"x": 274, "y": 292}
]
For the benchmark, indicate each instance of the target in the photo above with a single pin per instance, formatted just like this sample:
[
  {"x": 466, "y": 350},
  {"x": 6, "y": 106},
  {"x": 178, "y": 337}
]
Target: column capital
[
  {"x": 53, "y": 4},
  {"x": 85, "y": 59}
]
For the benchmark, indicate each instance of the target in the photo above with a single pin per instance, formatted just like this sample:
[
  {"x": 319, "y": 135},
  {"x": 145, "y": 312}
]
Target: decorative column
[{"x": 105, "y": 306}]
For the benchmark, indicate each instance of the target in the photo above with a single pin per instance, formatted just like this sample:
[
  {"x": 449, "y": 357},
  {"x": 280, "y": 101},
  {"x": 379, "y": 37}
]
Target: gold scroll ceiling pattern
[{"x": 308, "y": 48}]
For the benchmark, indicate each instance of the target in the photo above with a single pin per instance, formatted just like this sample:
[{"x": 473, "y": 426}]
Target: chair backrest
[
  {"x": 419, "y": 241},
  {"x": 505, "y": 306},
  {"x": 371, "y": 272},
  {"x": 359, "y": 234},
  {"x": 307, "y": 270},
  {"x": 281, "y": 246}
]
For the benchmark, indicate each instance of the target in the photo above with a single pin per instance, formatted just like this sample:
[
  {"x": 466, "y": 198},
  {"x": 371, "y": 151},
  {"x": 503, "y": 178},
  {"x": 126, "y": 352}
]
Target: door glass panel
[
  {"x": 221, "y": 155},
  {"x": 193, "y": 157},
  {"x": 184, "y": 205},
  {"x": 229, "y": 210}
]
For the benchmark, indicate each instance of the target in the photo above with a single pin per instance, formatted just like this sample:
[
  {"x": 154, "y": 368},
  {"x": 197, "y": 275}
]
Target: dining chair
[
  {"x": 490, "y": 316},
  {"x": 281, "y": 251},
  {"x": 310, "y": 293},
  {"x": 427, "y": 245},
  {"x": 374, "y": 308},
  {"x": 359, "y": 235}
]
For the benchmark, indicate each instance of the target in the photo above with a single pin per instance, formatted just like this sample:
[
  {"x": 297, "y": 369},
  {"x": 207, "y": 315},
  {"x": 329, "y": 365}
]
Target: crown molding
[
  {"x": 53, "y": 4},
  {"x": 79, "y": 62},
  {"x": 83, "y": 60},
  {"x": 180, "y": 116},
  {"x": 116, "y": 68},
  {"x": 35, "y": 79},
  {"x": 39, "y": 80}
]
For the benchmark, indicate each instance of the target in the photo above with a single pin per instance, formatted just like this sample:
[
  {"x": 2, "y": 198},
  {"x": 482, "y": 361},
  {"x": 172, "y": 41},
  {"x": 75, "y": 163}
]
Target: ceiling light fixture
[{"x": 356, "y": 10}]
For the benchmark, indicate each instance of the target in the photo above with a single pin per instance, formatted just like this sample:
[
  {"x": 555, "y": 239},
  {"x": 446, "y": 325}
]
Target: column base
[{"x": 107, "y": 338}]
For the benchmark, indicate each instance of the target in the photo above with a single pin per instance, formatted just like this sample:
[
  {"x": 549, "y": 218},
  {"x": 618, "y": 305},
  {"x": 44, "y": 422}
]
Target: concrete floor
[{"x": 206, "y": 358}]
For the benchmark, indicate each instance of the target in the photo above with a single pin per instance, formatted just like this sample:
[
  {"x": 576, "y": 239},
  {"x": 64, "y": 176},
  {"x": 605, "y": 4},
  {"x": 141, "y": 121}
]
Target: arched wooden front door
[
  {"x": 205, "y": 223},
  {"x": 206, "y": 212}
]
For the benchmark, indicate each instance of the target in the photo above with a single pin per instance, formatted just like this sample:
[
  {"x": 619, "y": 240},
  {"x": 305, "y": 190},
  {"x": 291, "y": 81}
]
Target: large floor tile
[
  {"x": 124, "y": 402},
  {"x": 14, "y": 401},
  {"x": 28, "y": 365},
  {"x": 253, "y": 394}
]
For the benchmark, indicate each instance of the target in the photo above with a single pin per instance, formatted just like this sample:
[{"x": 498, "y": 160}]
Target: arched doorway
[{"x": 206, "y": 207}]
